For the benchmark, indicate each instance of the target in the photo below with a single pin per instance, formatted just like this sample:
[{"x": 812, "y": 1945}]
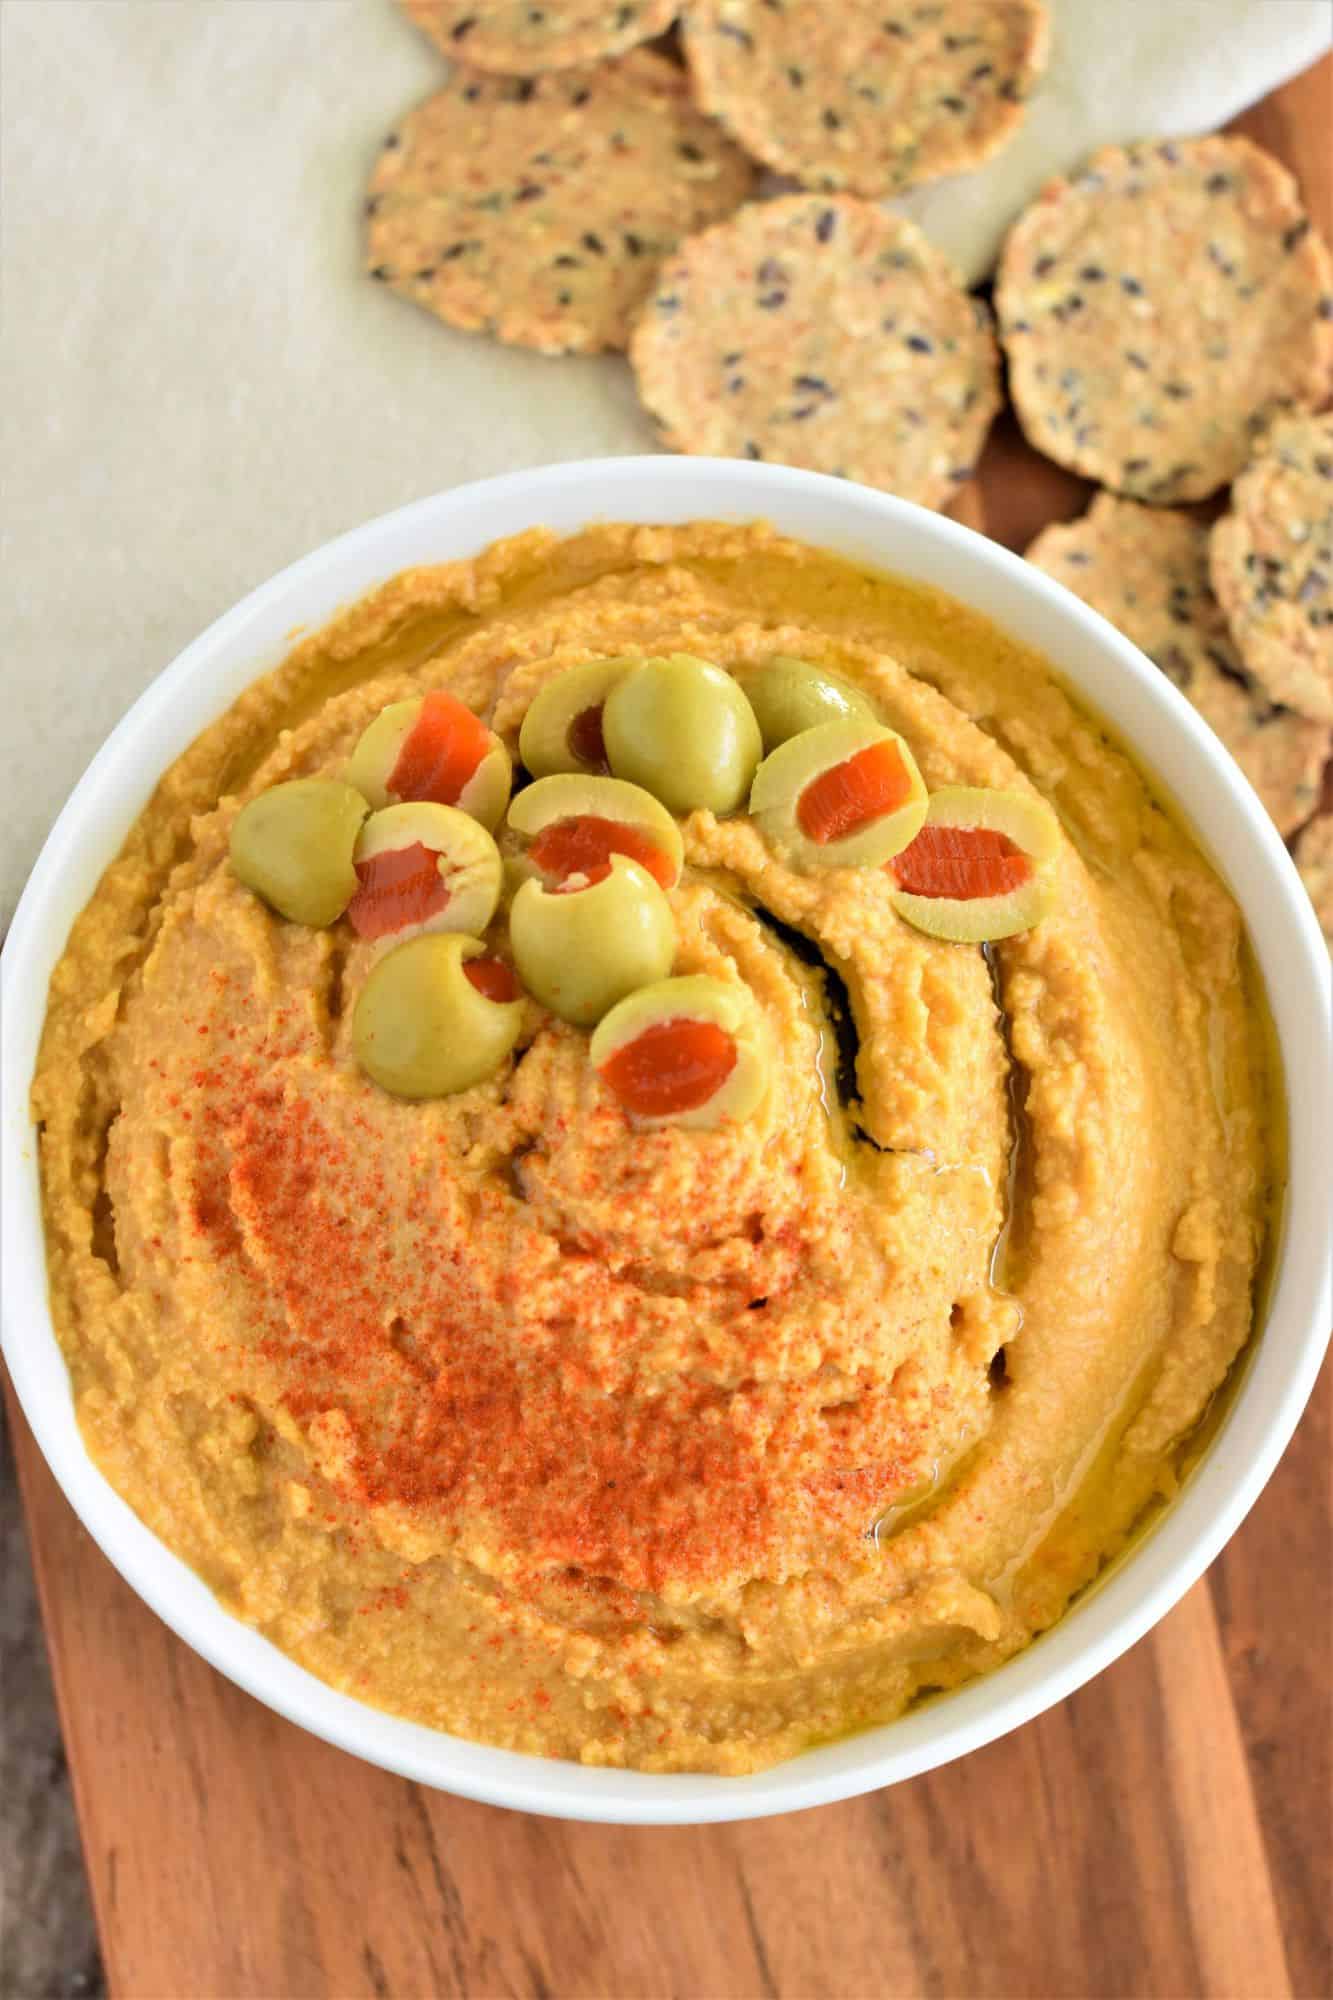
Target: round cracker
[
  {"x": 518, "y": 38},
  {"x": 1314, "y": 858},
  {"x": 1159, "y": 308},
  {"x": 1271, "y": 560},
  {"x": 820, "y": 331},
  {"x": 539, "y": 209},
  {"x": 1146, "y": 569},
  {"x": 873, "y": 96}
]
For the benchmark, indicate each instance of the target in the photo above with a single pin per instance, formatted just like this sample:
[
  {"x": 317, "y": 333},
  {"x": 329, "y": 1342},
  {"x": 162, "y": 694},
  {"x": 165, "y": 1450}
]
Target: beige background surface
[{"x": 200, "y": 386}]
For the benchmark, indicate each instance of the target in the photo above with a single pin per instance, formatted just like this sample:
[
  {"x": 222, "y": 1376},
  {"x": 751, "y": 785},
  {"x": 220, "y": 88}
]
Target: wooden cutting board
[{"x": 1166, "y": 1831}]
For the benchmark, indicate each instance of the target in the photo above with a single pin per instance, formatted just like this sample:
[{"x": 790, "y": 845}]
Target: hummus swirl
[{"x": 676, "y": 1449}]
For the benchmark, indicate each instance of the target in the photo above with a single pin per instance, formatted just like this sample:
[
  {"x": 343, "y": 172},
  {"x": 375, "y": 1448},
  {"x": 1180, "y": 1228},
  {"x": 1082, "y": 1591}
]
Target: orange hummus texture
[{"x": 674, "y": 1449}]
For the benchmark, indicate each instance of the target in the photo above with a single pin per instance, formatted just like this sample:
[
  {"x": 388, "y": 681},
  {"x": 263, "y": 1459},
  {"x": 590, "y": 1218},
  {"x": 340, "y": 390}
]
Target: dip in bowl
[{"x": 673, "y": 1450}]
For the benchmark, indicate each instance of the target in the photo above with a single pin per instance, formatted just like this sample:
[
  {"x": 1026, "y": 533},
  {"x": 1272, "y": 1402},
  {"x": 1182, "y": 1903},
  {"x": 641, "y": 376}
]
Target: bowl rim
[{"x": 1134, "y": 1593}]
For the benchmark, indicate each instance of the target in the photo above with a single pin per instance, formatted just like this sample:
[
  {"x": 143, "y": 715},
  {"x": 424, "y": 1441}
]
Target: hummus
[{"x": 667, "y": 1448}]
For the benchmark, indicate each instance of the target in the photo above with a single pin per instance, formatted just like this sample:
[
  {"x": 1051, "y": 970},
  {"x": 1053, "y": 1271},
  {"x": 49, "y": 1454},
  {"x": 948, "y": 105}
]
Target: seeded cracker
[
  {"x": 1314, "y": 858},
  {"x": 539, "y": 210},
  {"x": 1158, "y": 309},
  {"x": 520, "y": 39},
  {"x": 869, "y": 95},
  {"x": 1147, "y": 571},
  {"x": 1271, "y": 559},
  {"x": 822, "y": 332}
]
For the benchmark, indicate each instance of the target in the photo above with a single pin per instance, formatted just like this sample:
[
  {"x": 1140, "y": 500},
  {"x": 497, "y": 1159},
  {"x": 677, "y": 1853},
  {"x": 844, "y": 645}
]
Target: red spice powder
[{"x": 462, "y": 1401}]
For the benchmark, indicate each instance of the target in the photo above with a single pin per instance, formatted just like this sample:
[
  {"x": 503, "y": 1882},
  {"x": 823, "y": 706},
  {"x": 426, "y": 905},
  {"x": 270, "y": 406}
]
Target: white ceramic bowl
[{"x": 1122, "y": 686}]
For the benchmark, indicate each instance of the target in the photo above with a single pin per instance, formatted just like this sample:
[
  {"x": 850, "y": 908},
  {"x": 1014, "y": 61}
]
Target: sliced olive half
[
  {"x": 562, "y": 730},
  {"x": 433, "y": 748},
  {"x": 684, "y": 1052},
  {"x": 980, "y": 868},
  {"x": 293, "y": 846},
  {"x": 574, "y": 826},
  {"x": 789, "y": 695},
  {"x": 436, "y": 1016},
  {"x": 424, "y": 864},
  {"x": 684, "y": 730},
  {"x": 843, "y": 795},
  {"x": 580, "y": 950}
]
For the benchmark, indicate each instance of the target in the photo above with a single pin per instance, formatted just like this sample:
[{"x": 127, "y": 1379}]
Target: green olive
[
  {"x": 293, "y": 846},
  {"x": 378, "y": 749},
  {"x": 562, "y": 728},
  {"x": 567, "y": 803},
  {"x": 842, "y": 795},
  {"x": 683, "y": 730},
  {"x": 1004, "y": 885},
  {"x": 789, "y": 695},
  {"x": 724, "y": 1081},
  {"x": 420, "y": 1027},
  {"x": 580, "y": 951},
  {"x": 467, "y": 860},
  {"x": 467, "y": 746}
]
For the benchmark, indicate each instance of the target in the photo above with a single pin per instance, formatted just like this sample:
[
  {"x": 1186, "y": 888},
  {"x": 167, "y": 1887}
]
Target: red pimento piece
[
  {"x": 398, "y": 888},
  {"x": 584, "y": 846},
  {"x": 492, "y": 977},
  {"x": 960, "y": 862},
  {"x": 440, "y": 753},
  {"x": 586, "y": 741},
  {"x": 860, "y": 789},
  {"x": 673, "y": 1066}
]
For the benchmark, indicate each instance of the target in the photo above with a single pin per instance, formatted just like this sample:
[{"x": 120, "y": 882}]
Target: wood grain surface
[{"x": 1166, "y": 1831}]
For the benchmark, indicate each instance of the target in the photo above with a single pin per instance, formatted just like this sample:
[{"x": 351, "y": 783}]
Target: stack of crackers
[
  {"x": 1166, "y": 316},
  {"x": 572, "y": 191}
]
